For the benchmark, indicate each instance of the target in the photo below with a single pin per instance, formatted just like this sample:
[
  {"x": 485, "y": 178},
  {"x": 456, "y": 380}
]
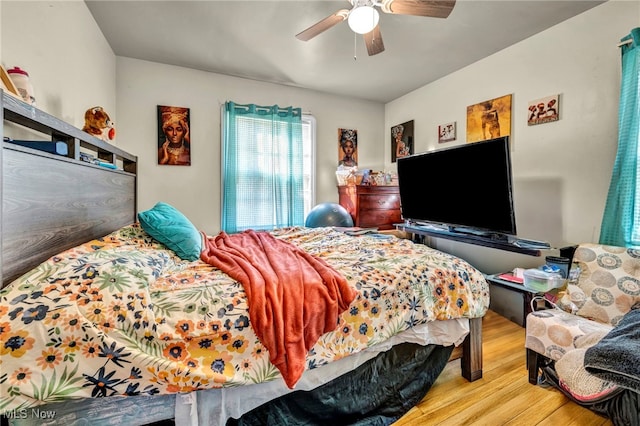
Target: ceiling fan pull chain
[{"x": 355, "y": 46}]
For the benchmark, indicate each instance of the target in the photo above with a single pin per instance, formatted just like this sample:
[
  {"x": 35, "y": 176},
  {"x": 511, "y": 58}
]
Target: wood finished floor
[{"x": 503, "y": 396}]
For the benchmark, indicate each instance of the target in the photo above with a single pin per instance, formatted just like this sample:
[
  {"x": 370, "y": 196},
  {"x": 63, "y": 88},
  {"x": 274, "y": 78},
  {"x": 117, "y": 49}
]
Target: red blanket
[{"x": 293, "y": 297}]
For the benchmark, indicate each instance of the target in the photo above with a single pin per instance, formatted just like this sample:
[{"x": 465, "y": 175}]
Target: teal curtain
[
  {"x": 262, "y": 167},
  {"x": 621, "y": 220}
]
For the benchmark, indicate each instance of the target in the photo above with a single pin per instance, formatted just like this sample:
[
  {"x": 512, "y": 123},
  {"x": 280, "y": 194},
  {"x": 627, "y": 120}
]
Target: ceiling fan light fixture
[{"x": 363, "y": 19}]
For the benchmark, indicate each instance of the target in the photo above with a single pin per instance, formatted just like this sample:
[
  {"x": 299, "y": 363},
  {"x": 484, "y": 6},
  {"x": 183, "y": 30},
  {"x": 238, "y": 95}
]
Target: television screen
[{"x": 466, "y": 186}]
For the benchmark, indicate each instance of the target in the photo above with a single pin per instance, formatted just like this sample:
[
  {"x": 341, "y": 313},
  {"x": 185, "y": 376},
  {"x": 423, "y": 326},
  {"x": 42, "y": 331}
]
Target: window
[
  {"x": 268, "y": 157},
  {"x": 309, "y": 161}
]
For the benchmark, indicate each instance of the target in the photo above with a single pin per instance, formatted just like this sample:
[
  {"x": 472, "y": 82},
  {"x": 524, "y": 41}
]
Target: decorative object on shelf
[
  {"x": 349, "y": 175},
  {"x": 544, "y": 110},
  {"x": 401, "y": 140},
  {"x": 7, "y": 84},
  {"x": 447, "y": 132},
  {"x": 380, "y": 178},
  {"x": 88, "y": 158},
  {"x": 174, "y": 141},
  {"x": 98, "y": 123},
  {"x": 489, "y": 119},
  {"x": 22, "y": 84},
  {"x": 347, "y": 147}
]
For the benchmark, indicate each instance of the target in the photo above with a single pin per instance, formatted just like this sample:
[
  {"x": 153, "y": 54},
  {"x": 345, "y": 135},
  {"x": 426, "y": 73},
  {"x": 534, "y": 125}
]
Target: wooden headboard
[{"x": 51, "y": 203}]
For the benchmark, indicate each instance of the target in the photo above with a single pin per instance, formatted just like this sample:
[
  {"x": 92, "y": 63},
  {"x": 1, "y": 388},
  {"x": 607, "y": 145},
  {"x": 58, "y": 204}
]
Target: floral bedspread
[{"x": 122, "y": 315}]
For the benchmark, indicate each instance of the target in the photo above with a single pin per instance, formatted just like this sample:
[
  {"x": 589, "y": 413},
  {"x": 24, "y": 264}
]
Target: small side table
[{"x": 514, "y": 291}]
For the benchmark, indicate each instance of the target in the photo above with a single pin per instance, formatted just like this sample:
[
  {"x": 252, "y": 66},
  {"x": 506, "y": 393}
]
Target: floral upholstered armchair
[{"x": 608, "y": 288}]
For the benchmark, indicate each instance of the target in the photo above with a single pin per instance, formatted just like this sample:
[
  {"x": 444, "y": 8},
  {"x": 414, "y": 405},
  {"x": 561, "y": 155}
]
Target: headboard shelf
[
  {"x": 53, "y": 202},
  {"x": 28, "y": 116},
  {"x": 55, "y": 157}
]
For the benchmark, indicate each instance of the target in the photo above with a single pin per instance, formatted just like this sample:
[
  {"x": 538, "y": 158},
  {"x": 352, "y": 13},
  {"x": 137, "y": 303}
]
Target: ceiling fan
[{"x": 363, "y": 18}]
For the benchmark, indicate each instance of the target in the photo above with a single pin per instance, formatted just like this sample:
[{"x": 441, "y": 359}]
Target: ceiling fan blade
[
  {"x": 430, "y": 8},
  {"x": 324, "y": 25},
  {"x": 373, "y": 40}
]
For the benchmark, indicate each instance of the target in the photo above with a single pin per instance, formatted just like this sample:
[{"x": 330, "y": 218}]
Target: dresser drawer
[
  {"x": 378, "y": 201},
  {"x": 381, "y": 219}
]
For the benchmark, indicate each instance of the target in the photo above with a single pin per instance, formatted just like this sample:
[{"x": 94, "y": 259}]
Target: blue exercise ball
[{"x": 328, "y": 214}]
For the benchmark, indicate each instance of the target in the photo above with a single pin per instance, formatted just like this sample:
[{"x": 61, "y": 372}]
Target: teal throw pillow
[{"x": 169, "y": 226}]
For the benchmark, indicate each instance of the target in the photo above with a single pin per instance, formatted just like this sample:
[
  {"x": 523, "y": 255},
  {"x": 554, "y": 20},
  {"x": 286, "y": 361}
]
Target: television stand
[
  {"x": 494, "y": 236},
  {"x": 492, "y": 240}
]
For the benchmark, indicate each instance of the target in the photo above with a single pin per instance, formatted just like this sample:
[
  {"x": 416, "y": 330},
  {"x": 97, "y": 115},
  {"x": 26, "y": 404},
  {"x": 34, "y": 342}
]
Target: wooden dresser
[{"x": 371, "y": 206}]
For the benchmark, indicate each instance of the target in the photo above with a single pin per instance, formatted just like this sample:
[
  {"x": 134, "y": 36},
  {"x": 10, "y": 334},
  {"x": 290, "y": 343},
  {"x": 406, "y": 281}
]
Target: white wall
[
  {"x": 195, "y": 190},
  {"x": 71, "y": 66},
  {"x": 561, "y": 169}
]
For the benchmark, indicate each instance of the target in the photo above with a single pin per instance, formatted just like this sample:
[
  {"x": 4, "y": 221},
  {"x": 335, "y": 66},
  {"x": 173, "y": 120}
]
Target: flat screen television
[{"x": 463, "y": 188}]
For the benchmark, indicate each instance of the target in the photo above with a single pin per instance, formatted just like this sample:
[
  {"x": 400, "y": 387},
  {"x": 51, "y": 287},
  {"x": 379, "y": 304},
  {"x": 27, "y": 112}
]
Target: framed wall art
[
  {"x": 543, "y": 110},
  {"x": 447, "y": 132},
  {"x": 489, "y": 119},
  {"x": 347, "y": 147},
  {"x": 401, "y": 140},
  {"x": 174, "y": 141}
]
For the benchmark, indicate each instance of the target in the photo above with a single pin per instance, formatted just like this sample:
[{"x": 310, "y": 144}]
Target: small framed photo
[
  {"x": 544, "y": 110},
  {"x": 447, "y": 132}
]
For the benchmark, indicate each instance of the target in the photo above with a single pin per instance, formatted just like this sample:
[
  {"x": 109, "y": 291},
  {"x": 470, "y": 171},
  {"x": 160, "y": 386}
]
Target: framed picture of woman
[
  {"x": 174, "y": 142},
  {"x": 401, "y": 140},
  {"x": 347, "y": 147}
]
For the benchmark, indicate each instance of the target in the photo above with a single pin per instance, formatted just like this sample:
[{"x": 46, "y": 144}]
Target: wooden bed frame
[{"x": 51, "y": 203}]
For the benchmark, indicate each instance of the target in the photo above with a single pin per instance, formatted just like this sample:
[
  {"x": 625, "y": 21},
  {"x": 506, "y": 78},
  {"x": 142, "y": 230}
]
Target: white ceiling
[{"x": 256, "y": 40}]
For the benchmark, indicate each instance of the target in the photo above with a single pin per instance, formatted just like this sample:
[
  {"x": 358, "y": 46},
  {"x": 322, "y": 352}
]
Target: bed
[{"x": 100, "y": 320}]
